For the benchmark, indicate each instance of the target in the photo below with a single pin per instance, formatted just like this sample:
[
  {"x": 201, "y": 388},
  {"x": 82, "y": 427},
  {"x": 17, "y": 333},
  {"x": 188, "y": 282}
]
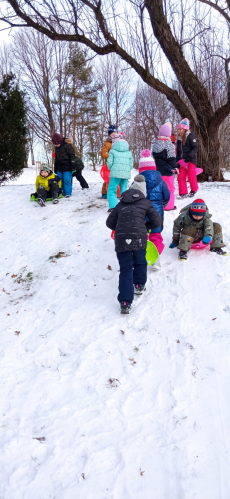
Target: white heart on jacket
[{"x": 128, "y": 241}]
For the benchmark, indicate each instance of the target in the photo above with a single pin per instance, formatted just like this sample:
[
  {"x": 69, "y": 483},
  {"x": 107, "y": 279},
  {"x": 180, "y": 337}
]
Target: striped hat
[
  {"x": 198, "y": 207},
  {"x": 146, "y": 161},
  {"x": 184, "y": 124}
]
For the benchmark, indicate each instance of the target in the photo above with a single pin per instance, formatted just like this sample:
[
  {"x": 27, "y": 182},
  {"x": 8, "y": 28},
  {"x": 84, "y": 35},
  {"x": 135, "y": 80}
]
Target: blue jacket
[
  {"x": 157, "y": 192},
  {"x": 120, "y": 160}
]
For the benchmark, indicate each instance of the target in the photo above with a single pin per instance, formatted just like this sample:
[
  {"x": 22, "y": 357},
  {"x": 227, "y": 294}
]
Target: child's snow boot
[
  {"x": 139, "y": 289},
  {"x": 157, "y": 265},
  {"x": 125, "y": 307},
  {"x": 182, "y": 196},
  {"x": 104, "y": 196},
  {"x": 55, "y": 201},
  {"x": 192, "y": 193},
  {"x": 41, "y": 202},
  {"x": 183, "y": 255},
  {"x": 219, "y": 251},
  {"x": 67, "y": 196}
]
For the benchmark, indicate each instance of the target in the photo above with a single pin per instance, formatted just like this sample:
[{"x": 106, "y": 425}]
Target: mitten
[
  {"x": 172, "y": 245},
  {"x": 206, "y": 240},
  {"x": 148, "y": 226}
]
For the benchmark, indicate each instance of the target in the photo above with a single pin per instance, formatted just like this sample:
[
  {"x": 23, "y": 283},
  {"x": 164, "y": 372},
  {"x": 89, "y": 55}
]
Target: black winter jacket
[
  {"x": 65, "y": 160},
  {"x": 165, "y": 157},
  {"x": 128, "y": 221},
  {"x": 188, "y": 152}
]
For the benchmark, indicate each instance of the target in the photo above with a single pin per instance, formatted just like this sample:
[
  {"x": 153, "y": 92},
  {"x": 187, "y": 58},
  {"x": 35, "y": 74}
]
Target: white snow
[{"x": 166, "y": 410}]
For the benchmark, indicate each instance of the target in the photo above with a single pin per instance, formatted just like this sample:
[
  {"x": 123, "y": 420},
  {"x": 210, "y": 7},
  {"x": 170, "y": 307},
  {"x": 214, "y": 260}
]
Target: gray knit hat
[{"x": 140, "y": 184}]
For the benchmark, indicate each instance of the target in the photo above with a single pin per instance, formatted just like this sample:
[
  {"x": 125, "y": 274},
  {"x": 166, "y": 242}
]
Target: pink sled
[{"x": 200, "y": 245}]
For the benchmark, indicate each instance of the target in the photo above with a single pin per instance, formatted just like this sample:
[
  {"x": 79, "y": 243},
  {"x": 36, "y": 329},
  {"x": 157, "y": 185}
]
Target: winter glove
[
  {"x": 148, "y": 226},
  {"x": 172, "y": 245},
  {"x": 206, "y": 240}
]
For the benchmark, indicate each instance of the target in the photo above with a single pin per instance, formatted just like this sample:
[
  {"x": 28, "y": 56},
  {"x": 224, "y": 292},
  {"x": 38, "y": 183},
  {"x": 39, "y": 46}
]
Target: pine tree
[
  {"x": 83, "y": 91},
  {"x": 12, "y": 129}
]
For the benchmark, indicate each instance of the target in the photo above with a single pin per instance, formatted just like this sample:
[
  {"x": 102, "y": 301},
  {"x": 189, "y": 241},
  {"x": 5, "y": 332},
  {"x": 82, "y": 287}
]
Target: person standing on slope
[
  {"x": 187, "y": 159},
  {"x": 120, "y": 164},
  {"x": 64, "y": 162},
  {"x": 163, "y": 151},
  {"x": 159, "y": 194},
  {"x": 128, "y": 221},
  {"x": 112, "y": 130}
]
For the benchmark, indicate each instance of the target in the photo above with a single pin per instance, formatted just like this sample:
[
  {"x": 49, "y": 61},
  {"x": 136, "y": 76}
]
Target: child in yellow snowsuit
[{"x": 47, "y": 185}]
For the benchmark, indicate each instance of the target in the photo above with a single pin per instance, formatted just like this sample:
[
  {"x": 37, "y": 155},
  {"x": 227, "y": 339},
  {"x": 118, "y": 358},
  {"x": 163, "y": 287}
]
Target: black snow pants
[
  {"x": 53, "y": 192},
  {"x": 80, "y": 179}
]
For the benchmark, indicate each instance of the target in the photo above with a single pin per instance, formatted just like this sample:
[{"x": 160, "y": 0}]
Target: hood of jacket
[
  {"x": 131, "y": 196},
  {"x": 120, "y": 146}
]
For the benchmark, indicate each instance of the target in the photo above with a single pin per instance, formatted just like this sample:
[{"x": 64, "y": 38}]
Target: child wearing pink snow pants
[
  {"x": 190, "y": 171},
  {"x": 163, "y": 151},
  {"x": 186, "y": 158},
  {"x": 171, "y": 187},
  {"x": 157, "y": 192}
]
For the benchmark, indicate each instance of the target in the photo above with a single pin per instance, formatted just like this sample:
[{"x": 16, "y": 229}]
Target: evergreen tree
[
  {"x": 12, "y": 129},
  {"x": 83, "y": 91}
]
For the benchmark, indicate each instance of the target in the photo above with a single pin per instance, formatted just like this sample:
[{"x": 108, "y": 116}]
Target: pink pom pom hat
[
  {"x": 146, "y": 161},
  {"x": 184, "y": 124}
]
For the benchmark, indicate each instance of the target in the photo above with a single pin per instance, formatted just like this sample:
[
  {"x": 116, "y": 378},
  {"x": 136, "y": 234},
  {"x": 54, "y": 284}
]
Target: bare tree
[{"x": 148, "y": 111}]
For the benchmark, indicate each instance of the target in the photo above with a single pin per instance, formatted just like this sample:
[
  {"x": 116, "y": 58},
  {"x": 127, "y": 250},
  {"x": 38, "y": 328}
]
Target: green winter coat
[
  {"x": 120, "y": 160},
  {"x": 184, "y": 220}
]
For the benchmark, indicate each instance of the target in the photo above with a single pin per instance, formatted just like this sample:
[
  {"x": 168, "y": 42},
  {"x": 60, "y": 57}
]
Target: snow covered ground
[{"x": 95, "y": 405}]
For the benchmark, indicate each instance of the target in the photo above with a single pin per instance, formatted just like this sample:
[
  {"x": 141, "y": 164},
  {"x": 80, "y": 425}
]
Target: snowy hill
[{"x": 95, "y": 405}]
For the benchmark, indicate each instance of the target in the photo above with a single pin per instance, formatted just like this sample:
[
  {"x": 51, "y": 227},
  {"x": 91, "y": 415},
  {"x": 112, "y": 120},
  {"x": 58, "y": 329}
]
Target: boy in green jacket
[{"x": 194, "y": 225}]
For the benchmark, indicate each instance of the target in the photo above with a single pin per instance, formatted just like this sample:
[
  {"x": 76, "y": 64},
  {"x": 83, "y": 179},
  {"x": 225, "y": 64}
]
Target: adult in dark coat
[
  {"x": 66, "y": 163},
  {"x": 128, "y": 221}
]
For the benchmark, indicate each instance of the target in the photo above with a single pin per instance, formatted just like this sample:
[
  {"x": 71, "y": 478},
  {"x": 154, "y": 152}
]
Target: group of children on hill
[{"x": 140, "y": 213}]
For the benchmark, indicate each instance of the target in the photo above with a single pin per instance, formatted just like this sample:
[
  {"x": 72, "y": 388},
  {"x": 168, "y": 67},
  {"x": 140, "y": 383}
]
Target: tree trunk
[{"x": 209, "y": 155}]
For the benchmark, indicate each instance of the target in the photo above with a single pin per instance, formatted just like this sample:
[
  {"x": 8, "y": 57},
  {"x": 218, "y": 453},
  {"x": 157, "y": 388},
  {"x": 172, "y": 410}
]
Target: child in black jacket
[
  {"x": 187, "y": 159},
  {"x": 128, "y": 221}
]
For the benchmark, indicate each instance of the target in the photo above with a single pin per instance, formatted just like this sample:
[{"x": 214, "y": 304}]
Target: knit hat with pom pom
[
  {"x": 146, "y": 161},
  {"x": 184, "y": 124}
]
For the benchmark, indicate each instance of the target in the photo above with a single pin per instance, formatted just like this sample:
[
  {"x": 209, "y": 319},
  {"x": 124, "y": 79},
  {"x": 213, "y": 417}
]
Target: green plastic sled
[
  {"x": 151, "y": 253},
  {"x": 33, "y": 198}
]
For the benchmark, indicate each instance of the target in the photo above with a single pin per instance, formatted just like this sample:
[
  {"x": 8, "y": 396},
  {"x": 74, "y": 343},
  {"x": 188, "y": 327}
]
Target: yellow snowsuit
[{"x": 44, "y": 181}]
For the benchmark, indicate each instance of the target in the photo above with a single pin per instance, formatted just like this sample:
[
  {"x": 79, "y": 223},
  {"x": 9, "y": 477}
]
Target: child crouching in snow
[
  {"x": 194, "y": 225},
  {"x": 158, "y": 193},
  {"x": 128, "y": 221},
  {"x": 47, "y": 185}
]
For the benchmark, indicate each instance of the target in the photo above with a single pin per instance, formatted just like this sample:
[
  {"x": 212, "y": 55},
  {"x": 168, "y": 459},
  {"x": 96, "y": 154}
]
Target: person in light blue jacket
[{"x": 120, "y": 164}]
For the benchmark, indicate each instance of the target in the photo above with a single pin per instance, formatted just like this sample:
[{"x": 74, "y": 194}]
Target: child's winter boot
[
  {"x": 219, "y": 251},
  {"x": 192, "y": 193},
  {"x": 41, "y": 202},
  {"x": 157, "y": 265},
  {"x": 125, "y": 307},
  {"x": 182, "y": 196},
  {"x": 139, "y": 289},
  {"x": 183, "y": 255}
]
